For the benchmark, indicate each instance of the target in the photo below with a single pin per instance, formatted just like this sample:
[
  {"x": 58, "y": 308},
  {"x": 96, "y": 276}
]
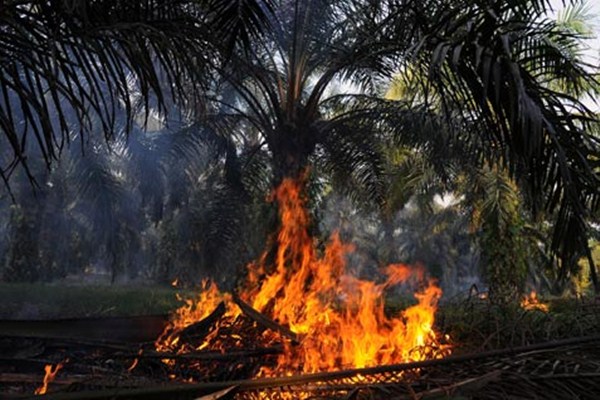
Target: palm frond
[
  {"x": 240, "y": 22},
  {"x": 98, "y": 192},
  {"x": 69, "y": 64},
  {"x": 490, "y": 62},
  {"x": 577, "y": 17}
]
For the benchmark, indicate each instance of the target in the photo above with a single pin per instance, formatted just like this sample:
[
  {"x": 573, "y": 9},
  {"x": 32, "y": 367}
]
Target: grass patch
[
  {"x": 477, "y": 325},
  {"x": 48, "y": 301}
]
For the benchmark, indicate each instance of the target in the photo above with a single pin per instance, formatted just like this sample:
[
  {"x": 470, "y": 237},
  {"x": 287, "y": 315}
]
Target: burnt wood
[
  {"x": 201, "y": 328},
  {"x": 265, "y": 321}
]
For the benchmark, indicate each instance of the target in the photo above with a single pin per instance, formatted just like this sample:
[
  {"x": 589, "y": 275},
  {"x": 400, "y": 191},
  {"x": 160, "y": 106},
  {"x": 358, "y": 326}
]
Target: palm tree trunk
[
  {"x": 593, "y": 272},
  {"x": 389, "y": 244},
  {"x": 291, "y": 149}
]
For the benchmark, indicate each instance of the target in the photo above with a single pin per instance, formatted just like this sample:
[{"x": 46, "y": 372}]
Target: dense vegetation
[{"x": 142, "y": 138}]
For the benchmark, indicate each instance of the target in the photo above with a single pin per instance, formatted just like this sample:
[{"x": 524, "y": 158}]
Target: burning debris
[
  {"x": 532, "y": 302},
  {"x": 557, "y": 368},
  {"x": 336, "y": 320}
]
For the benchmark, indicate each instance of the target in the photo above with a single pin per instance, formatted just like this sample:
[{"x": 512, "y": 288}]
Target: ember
[{"x": 338, "y": 319}]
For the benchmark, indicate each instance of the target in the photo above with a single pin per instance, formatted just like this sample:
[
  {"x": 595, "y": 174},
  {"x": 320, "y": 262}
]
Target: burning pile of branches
[
  {"x": 555, "y": 370},
  {"x": 326, "y": 318},
  {"x": 532, "y": 302}
]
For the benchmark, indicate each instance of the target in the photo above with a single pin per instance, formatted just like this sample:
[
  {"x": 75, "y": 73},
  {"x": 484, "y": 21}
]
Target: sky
[
  {"x": 594, "y": 6},
  {"x": 593, "y": 50}
]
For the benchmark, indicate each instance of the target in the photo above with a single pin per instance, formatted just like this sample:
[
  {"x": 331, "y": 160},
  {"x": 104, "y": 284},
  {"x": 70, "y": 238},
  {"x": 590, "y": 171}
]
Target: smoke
[{"x": 436, "y": 237}]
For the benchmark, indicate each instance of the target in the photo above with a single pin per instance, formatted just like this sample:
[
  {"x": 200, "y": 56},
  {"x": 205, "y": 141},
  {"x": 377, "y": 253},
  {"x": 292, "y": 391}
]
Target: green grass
[
  {"x": 46, "y": 301},
  {"x": 479, "y": 326}
]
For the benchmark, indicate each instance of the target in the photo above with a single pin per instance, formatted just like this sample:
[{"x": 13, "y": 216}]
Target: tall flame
[{"x": 339, "y": 317}]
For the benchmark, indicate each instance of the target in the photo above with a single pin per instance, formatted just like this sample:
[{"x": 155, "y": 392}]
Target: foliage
[
  {"x": 67, "y": 64},
  {"x": 258, "y": 90},
  {"x": 580, "y": 283},
  {"x": 479, "y": 325},
  {"x": 496, "y": 61},
  {"x": 459, "y": 74},
  {"x": 504, "y": 240}
]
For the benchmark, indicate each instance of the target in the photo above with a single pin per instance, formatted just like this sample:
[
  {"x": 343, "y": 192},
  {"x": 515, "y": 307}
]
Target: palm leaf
[
  {"x": 68, "y": 64},
  {"x": 490, "y": 61}
]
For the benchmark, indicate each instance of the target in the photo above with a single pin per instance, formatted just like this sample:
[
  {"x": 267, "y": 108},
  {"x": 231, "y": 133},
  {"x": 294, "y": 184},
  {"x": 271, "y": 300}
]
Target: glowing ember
[
  {"x": 339, "y": 318},
  {"x": 135, "y": 361},
  {"x": 532, "y": 302},
  {"x": 50, "y": 375}
]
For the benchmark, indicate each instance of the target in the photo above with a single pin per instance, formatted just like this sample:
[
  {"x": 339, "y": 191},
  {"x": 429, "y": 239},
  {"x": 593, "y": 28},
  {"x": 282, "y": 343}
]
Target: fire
[
  {"x": 532, "y": 302},
  {"x": 50, "y": 375},
  {"x": 192, "y": 311},
  {"x": 339, "y": 318}
]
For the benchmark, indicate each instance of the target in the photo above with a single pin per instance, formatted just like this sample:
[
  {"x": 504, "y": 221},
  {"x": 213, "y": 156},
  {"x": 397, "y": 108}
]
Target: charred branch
[
  {"x": 265, "y": 321},
  {"x": 201, "y": 328}
]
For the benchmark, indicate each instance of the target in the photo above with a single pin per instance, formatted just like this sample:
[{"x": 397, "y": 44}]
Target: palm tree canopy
[
  {"x": 68, "y": 65},
  {"x": 269, "y": 67},
  {"x": 498, "y": 61}
]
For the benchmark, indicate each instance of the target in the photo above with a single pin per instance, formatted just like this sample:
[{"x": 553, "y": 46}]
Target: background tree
[
  {"x": 275, "y": 87},
  {"x": 498, "y": 60}
]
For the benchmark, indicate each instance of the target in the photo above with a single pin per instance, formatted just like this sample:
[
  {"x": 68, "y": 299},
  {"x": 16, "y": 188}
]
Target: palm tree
[
  {"x": 499, "y": 62},
  {"x": 413, "y": 85},
  {"x": 283, "y": 91},
  {"x": 491, "y": 64},
  {"x": 67, "y": 65}
]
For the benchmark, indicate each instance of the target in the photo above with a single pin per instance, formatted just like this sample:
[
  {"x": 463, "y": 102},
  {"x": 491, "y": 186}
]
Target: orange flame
[
  {"x": 50, "y": 375},
  {"x": 339, "y": 318},
  {"x": 192, "y": 311},
  {"x": 532, "y": 302}
]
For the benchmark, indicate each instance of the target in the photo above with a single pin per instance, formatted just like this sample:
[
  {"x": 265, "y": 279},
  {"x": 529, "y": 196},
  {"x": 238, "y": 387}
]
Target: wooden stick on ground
[
  {"x": 221, "y": 394},
  {"x": 203, "y": 355},
  {"x": 99, "y": 380},
  {"x": 469, "y": 385}
]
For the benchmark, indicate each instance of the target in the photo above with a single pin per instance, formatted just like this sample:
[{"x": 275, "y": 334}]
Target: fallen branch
[
  {"x": 469, "y": 385},
  {"x": 98, "y": 380},
  {"x": 578, "y": 375},
  {"x": 208, "y": 355},
  {"x": 221, "y": 394},
  {"x": 265, "y": 321},
  {"x": 125, "y": 329},
  {"x": 8, "y": 377},
  {"x": 200, "y": 328},
  {"x": 52, "y": 341}
]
